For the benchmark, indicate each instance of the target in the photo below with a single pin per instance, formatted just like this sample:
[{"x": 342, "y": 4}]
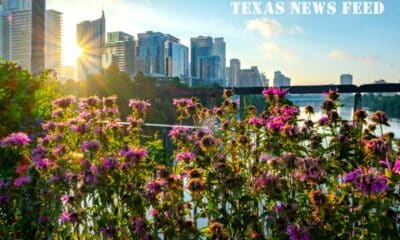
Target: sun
[{"x": 71, "y": 54}]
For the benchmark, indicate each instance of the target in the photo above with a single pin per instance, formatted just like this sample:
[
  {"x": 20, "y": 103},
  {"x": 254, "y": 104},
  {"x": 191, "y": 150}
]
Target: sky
[{"x": 310, "y": 49}]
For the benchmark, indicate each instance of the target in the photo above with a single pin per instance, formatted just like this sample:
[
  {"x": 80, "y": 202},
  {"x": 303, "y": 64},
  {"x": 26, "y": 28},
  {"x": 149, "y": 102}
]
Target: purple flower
[
  {"x": 43, "y": 163},
  {"x": 65, "y": 217},
  {"x": 396, "y": 167},
  {"x": 89, "y": 103},
  {"x": 3, "y": 184},
  {"x": 4, "y": 199},
  {"x": 22, "y": 180},
  {"x": 110, "y": 102},
  {"x": 297, "y": 233},
  {"x": 44, "y": 219},
  {"x": 353, "y": 175},
  {"x": 275, "y": 123},
  {"x": 182, "y": 102},
  {"x": 178, "y": 132},
  {"x": 139, "y": 225},
  {"x": 139, "y": 105},
  {"x": 90, "y": 146},
  {"x": 367, "y": 181},
  {"x": 15, "y": 139},
  {"x": 257, "y": 121},
  {"x": 185, "y": 156},
  {"x": 80, "y": 128},
  {"x": 64, "y": 102},
  {"x": 109, "y": 164},
  {"x": 64, "y": 199},
  {"x": 323, "y": 121}
]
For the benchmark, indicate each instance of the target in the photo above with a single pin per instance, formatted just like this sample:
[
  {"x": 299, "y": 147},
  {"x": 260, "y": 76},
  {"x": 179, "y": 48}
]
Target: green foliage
[{"x": 24, "y": 98}]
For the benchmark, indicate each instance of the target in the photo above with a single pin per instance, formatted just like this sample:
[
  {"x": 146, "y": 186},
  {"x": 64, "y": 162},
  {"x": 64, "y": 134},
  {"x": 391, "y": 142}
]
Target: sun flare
[{"x": 71, "y": 54}]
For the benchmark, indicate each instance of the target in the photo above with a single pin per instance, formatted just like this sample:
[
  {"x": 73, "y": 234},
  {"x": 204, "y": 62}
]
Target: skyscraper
[
  {"x": 346, "y": 79},
  {"x": 219, "y": 49},
  {"x": 23, "y": 33},
  {"x": 281, "y": 80},
  {"x": 150, "y": 54},
  {"x": 177, "y": 59},
  {"x": 120, "y": 50},
  {"x": 234, "y": 74},
  {"x": 53, "y": 40},
  {"x": 205, "y": 64},
  {"x": 251, "y": 78},
  {"x": 90, "y": 37}
]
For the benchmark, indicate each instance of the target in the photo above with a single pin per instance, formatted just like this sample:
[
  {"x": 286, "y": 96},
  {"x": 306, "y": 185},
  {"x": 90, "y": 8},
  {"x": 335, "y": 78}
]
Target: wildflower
[
  {"x": 67, "y": 217},
  {"x": 15, "y": 140},
  {"x": 22, "y": 180},
  {"x": 4, "y": 199},
  {"x": 182, "y": 102},
  {"x": 309, "y": 110},
  {"x": 139, "y": 225},
  {"x": 109, "y": 164},
  {"x": 208, "y": 142},
  {"x": 196, "y": 185},
  {"x": 90, "y": 146},
  {"x": 64, "y": 102},
  {"x": 80, "y": 128},
  {"x": 275, "y": 123},
  {"x": 268, "y": 183},
  {"x": 89, "y": 103},
  {"x": 196, "y": 173},
  {"x": 318, "y": 198},
  {"x": 323, "y": 121},
  {"x": 216, "y": 230},
  {"x": 360, "y": 116},
  {"x": 65, "y": 198},
  {"x": 297, "y": 233},
  {"x": 280, "y": 93},
  {"x": 380, "y": 117},
  {"x": 309, "y": 169},
  {"x": 289, "y": 112},
  {"x": 43, "y": 163},
  {"x": 367, "y": 181},
  {"x": 3, "y": 184},
  {"x": 328, "y": 105},
  {"x": 139, "y": 105},
  {"x": 133, "y": 156},
  {"x": 333, "y": 95},
  {"x": 376, "y": 146},
  {"x": 185, "y": 156},
  {"x": 181, "y": 133},
  {"x": 258, "y": 122},
  {"x": 228, "y": 93}
]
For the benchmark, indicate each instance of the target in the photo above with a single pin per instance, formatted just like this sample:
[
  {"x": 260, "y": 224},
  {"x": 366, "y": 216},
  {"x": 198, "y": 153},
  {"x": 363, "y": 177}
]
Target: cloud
[
  {"x": 273, "y": 51},
  {"x": 271, "y": 27},
  {"x": 346, "y": 56}
]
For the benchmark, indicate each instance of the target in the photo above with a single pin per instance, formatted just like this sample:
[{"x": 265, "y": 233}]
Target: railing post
[{"x": 357, "y": 101}]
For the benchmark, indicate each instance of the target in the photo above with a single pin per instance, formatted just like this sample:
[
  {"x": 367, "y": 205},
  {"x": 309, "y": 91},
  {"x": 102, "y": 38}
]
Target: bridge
[{"x": 303, "y": 89}]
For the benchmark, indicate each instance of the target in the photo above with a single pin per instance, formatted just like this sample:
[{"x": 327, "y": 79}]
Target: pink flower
[
  {"x": 15, "y": 139},
  {"x": 185, "y": 156},
  {"x": 22, "y": 180},
  {"x": 64, "y": 199}
]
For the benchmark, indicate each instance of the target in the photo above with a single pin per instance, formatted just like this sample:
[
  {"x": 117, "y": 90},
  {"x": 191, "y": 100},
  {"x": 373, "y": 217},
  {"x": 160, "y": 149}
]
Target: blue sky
[{"x": 311, "y": 49}]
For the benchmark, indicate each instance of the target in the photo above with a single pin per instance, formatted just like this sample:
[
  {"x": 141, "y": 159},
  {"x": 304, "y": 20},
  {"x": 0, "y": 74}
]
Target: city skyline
[{"x": 309, "y": 49}]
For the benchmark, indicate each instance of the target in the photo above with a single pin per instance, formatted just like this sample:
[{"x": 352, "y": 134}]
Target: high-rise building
[
  {"x": 281, "y": 80},
  {"x": 90, "y": 37},
  {"x": 234, "y": 74},
  {"x": 150, "y": 53},
  {"x": 53, "y": 41},
  {"x": 23, "y": 33},
  {"x": 206, "y": 64},
  {"x": 250, "y": 78},
  {"x": 120, "y": 50},
  {"x": 177, "y": 59},
  {"x": 219, "y": 49},
  {"x": 346, "y": 79}
]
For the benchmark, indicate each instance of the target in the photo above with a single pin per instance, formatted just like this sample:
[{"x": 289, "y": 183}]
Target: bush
[{"x": 268, "y": 176}]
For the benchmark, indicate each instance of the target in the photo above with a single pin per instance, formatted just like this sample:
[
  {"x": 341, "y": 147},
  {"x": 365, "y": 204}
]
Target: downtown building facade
[
  {"x": 53, "y": 36},
  {"x": 23, "y": 33},
  {"x": 206, "y": 65},
  {"x": 280, "y": 80},
  {"x": 346, "y": 79},
  {"x": 120, "y": 50},
  {"x": 251, "y": 78},
  {"x": 162, "y": 55},
  {"x": 90, "y": 37},
  {"x": 234, "y": 73}
]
